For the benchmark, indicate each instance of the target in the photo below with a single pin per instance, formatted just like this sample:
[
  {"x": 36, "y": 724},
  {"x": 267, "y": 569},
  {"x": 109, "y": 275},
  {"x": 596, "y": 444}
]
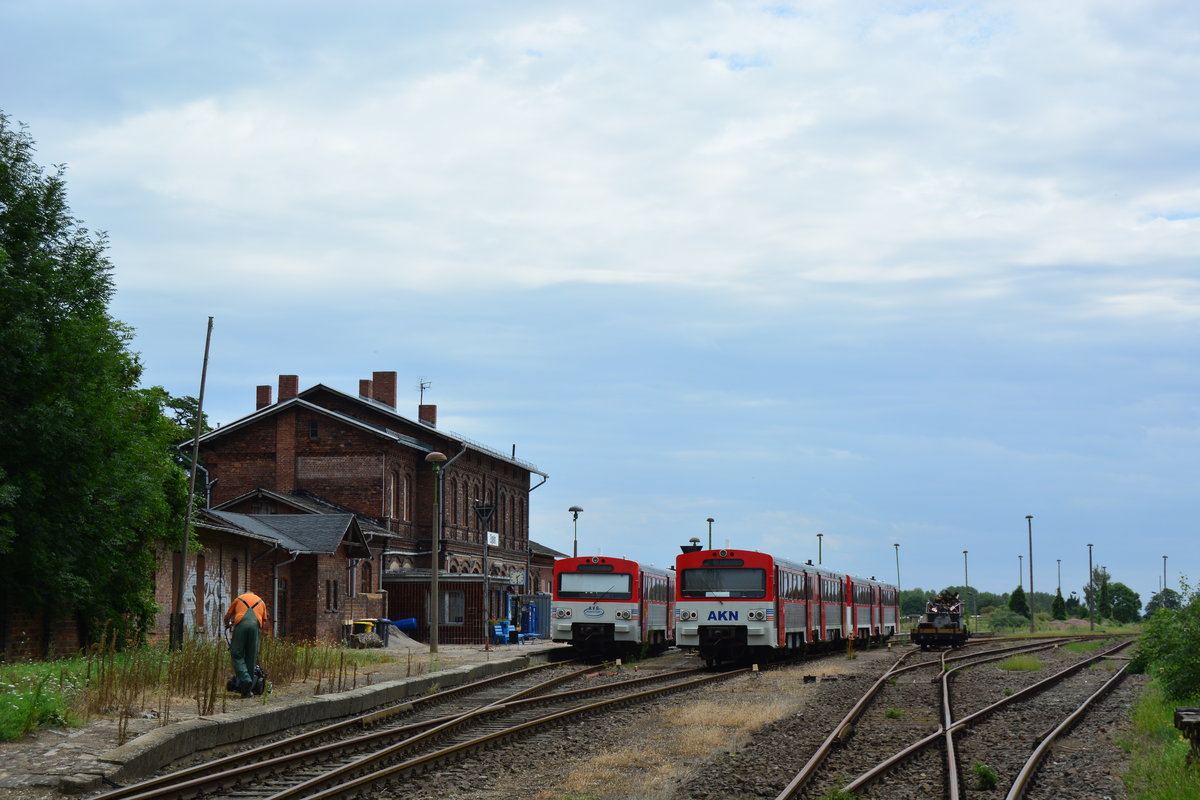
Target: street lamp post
[
  {"x": 1021, "y": 571},
  {"x": 1091, "y": 591},
  {"x": 966, "y": 574},
  {"x": 820, "y": 536},
  {"x": 435, "y": 459},
  {"x": 1164, "y": 573},
  {"x": 484, "y": 511},
  {"x": 1032, "y": 611},
  {"x": 710, "y": 522},
  {"x": 899, "y": 606},
  {"x": 1059, "y": 560},
  {"x": 575, "y": 512}
]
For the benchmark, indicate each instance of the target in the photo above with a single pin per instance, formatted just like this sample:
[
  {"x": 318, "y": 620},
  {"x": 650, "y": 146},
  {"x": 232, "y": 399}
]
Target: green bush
[
  {"x": 1169, "y": 648},
  {"x": 985, "y": 777}
]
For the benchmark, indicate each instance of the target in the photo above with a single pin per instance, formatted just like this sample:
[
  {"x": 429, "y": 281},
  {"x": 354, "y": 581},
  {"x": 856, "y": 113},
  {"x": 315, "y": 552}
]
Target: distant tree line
[
  {"x": 89, "y": 482},
  {"x": 1111, "y": 600}
]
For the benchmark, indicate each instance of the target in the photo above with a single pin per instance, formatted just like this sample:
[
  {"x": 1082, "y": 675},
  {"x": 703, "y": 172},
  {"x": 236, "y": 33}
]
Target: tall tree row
[{"x": 87, "y": 485}]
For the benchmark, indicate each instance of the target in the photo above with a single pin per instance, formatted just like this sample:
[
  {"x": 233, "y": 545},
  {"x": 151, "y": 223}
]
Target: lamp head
[{"x": 436, "y": 459}]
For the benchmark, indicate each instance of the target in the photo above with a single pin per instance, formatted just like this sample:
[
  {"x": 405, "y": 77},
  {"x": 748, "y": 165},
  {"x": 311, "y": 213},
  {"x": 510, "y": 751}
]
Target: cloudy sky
[{"x": 895, "y": 272}]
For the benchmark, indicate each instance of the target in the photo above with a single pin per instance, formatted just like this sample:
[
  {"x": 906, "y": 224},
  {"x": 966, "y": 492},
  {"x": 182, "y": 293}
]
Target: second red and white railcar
[
  {"x": 604, "y": 605},
  {"x": 734, "y": 604}
]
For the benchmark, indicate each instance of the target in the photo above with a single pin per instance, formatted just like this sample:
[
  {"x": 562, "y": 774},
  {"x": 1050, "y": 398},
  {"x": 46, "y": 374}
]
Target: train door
[{"x": 850, "y": 611}]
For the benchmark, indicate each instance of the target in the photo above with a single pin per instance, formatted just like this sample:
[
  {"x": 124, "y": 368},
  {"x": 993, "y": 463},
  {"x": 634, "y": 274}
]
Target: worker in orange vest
[{"x": 247, "y": 615}]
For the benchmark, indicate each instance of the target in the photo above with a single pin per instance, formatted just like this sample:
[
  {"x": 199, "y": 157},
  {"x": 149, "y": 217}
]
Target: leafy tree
[
  {"x": 1017, "y": 603},
  {"x": 984, "y": 599},
  {"x": 1126, "y": 604},
  {"x": 1104, "y": 601},
  {"x": 1169, "y": 648},
  {"x": 1096, "y": 596},
  {"x": 1058, "y": 607},
  {"x": 1007, "y": 619},
  {"x": 912, "y": 601},
  {"x": 87, "y": 486},
  {"x": 1167, "y": 598},
  {"x": 1073, "y": 607}
]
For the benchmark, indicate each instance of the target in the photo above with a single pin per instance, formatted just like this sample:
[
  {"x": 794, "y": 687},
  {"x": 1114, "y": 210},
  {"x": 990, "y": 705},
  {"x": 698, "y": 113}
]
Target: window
[
  {"x": 234, "y": 578},
  {"x": 331, "y": 595},
  {"x": 312, "y": 429},
  {"x": 592, "y": 586},
  {"x": 364, "y": 575},
  {"x": 745, "y": 582},
  {"x": 453, "y": 609}
]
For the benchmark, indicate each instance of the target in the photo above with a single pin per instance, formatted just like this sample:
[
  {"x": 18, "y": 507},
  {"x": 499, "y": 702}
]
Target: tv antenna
[{"x": 422, "y": 385}]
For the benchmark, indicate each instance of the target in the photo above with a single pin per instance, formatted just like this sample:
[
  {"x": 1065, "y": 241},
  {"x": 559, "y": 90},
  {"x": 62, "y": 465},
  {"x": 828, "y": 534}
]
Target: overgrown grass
[
  {"x": 1085, "y": 647},
  {"x": 985, "y": 777},
  {"x": 1158, "y": 751},
  {"x": 1023, "y": 663},
  {"x": 30, "y": 698},
  {"x": 106, "y": 681}
]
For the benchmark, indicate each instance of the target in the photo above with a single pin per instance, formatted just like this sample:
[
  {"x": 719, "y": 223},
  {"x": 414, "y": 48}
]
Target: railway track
[
  {"x": 341, "y": 758},
  {"x": 947, "y": 741}
]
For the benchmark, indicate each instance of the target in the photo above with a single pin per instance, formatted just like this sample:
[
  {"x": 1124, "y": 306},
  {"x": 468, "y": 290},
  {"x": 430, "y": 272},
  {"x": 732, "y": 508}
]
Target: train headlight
[
  {"x": 623, "y": 614},
  {"x": 563, "y": 613}
]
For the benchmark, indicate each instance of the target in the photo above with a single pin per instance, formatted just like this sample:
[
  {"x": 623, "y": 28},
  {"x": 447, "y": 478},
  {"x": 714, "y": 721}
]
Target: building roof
[
  {"x": 463, "y": 441},
  {"x": 298, "y": 403},
  {"x": 542, "y": 550},
  {"x": 308, "y": 503},
  {"x": 300, "y": 533}
]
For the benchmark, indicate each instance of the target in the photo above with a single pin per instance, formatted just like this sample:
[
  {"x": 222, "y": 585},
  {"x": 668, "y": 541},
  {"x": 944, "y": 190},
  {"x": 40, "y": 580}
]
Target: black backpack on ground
[{"x": 258, "y": 682}]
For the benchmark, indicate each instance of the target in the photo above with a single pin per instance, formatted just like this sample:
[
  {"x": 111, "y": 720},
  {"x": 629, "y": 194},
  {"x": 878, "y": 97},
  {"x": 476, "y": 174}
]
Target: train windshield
[
  {"x": 583, "y": 586},
  {"x": 723, "y": 582}
]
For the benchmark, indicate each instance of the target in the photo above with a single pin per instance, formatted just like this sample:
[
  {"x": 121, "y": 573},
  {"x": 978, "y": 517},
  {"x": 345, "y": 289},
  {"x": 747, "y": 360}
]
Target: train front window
[
  {"x": 723, "y": 582},
  {"x": 583, "y": 586}
]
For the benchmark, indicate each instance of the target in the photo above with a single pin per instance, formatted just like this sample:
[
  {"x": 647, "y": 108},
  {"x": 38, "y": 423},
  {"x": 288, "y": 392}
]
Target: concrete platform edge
[{"x": 152, "y": 751}]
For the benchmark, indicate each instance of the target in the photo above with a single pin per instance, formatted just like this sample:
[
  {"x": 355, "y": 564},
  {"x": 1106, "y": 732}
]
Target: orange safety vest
[{"x": 248, "y": 601}]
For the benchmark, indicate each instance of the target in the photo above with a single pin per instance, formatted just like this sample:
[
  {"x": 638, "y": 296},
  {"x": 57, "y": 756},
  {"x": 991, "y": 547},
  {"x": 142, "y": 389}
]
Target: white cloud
[{"x": 860, "y": 151}]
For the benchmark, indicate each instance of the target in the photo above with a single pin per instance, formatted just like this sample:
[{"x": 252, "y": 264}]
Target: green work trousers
[{"x": 243, "y": 649}]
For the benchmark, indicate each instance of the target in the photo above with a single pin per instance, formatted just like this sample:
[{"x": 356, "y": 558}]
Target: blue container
[{"x": 409, "y": 624}]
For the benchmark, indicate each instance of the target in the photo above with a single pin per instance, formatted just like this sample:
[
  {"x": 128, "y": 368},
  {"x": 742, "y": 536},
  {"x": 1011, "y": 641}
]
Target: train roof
[
  {"x": 572, "y": 562},
  {"x": 808, "y": 566}
]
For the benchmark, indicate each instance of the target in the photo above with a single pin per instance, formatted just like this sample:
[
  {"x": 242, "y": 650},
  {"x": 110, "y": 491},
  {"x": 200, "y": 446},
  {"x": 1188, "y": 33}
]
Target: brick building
[
  {"x": 314, "y": 569},
  {"x": 326, "y": 453}
]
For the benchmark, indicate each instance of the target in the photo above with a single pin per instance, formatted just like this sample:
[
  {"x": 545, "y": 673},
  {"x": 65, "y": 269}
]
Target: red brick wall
[
  {"x": 221, "y": 553},
  {"x": 30, "y": 637}
]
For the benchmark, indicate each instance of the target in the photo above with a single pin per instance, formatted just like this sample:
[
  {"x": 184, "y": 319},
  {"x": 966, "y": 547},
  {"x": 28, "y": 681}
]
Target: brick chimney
[
  {"x": 428, "y": 415},
  {"x": 364, "y": 387},
  {"x": 263, "y": 397},
  {"x": 383, "y": 387},
  {"x": 289, "y": 387}
]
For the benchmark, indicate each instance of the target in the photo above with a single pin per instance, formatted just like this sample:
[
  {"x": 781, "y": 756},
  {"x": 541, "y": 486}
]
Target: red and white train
[
  {"x": 734, "y": 604},
  {"x": 606, "y": 606}
]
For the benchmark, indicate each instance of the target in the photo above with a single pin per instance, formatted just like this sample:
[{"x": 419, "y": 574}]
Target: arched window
[
  {"x": 405, "y": 494},
  {"x": 393, "y": 498},
  {"x": 364, "y": 574}
]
